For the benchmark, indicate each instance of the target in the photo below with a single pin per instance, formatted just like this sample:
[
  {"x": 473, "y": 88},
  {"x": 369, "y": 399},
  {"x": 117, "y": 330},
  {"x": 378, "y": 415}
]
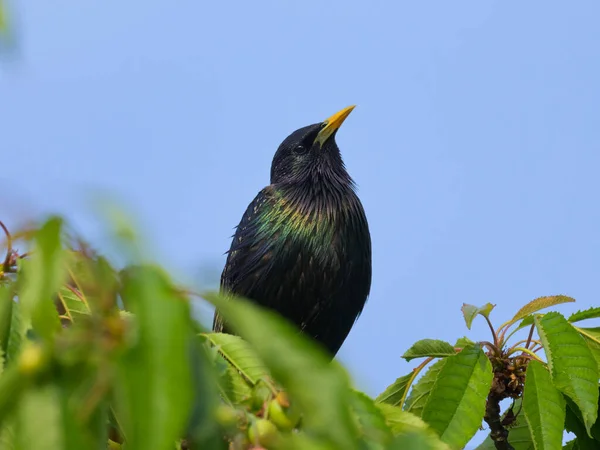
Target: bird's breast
[{"x": 326, "y": 227}]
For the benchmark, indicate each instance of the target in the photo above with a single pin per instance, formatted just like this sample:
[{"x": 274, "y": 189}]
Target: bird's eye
[{"x": 300, "y": 149}]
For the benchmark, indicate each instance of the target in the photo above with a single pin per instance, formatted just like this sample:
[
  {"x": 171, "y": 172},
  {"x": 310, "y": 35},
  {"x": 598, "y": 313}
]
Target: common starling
[{"x": 303, "y": 247}]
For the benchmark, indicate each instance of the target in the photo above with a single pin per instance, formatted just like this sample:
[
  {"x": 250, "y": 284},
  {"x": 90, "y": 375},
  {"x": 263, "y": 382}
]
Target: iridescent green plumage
[{"x": 303, "y": 246}]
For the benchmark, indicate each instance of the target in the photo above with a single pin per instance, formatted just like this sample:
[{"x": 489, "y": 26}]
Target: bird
[{"x": 303, "y": 245}]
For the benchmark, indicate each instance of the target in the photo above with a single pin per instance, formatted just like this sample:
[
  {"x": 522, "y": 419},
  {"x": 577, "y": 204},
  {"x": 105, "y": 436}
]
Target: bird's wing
[{"x": 248, "y": 256}]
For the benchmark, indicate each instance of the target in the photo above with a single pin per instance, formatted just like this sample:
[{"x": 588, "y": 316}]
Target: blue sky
[{"x": 475, "y": 143}]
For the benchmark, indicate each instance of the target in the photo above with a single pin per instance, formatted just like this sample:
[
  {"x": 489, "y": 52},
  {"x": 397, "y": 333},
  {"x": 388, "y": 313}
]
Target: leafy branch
[{"x": 93, "y": 355}]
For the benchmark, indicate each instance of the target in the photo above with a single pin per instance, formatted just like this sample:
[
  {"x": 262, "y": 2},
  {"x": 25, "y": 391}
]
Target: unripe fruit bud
[
  {"x": 226, "y": 415},
  {"x": 286, "y": 418},
  {"x": 112, "y": 445},
  {"x": 31, "y": 359},
  {"x": 263, "y": 432}
]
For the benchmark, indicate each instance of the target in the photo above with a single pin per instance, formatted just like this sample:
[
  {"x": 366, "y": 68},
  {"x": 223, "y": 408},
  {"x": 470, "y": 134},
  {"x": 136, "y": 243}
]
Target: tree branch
[{"x": 498, "y": 433}]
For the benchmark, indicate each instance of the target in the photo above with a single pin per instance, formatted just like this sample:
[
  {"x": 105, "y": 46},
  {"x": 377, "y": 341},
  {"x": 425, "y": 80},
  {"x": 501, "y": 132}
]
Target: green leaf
[
  {"x": 371, "y": 419},
  {"x": 456, "y": 404},
  {"x": 7, "y": 437},
  {"x": 575, "y": 426},
  {"x": 540, "y": 303},
  {"x": 73, "y": 303},
  {"x": 235, "y": 380},
  {"x": 590, "y": 313},
  {"x": 83, "y": 382},
  {"x": 300, "y": 441},
  {"x": 574, "y": 423},
  {"x": 429, "y": 347},
  {"x": 396, "y": 391},
  {"x": 413, "y": 440},
  {"x": 43, "y": 274},
  {"x": 320, "y": 387},
  {"x": 240, "y": 355},
  {"x": 155, "y": 390},
  {"x": 544, "y": 407},
  {"x": 420, "y": 392},
  {"x": 519, "y": 435},
  {"x": 17, "y": 333},
  {"x": 39, "y": 421},
  {"x": 82, "y": 430},
  {"x": 463, "y": 342},
  {"x": 526, "y": 322},
  {"x": 204, "y": 431},
  {"x": 402, "y": 422},
  {"x": 572, "y": 365},
  {"x": 12, "y": 386},
  {"x": 471, "y": 311},
  {"x": 592, "y": 338},
  {"x": 6, "y": 307},
  {"x": 235, "y": 387}
]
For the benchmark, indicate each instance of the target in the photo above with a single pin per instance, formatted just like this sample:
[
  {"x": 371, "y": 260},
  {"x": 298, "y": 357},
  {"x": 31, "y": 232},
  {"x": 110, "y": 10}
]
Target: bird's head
[{"x": 311, "y": 153}]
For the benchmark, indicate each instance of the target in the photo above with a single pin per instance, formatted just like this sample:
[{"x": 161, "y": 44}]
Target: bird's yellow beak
[{"x": 332, "y": 124}]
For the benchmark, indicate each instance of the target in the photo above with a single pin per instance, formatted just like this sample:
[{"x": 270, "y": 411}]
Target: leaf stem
[
  {"x": 505, "y": 339},
  {"x": 533, "y": 341},
  {"x": 496, "y": 343},
  {"x": 495, "y": 350},
  {"x": 535, "y": 350},
  {"x": 416, "y": 371},
  {"x": 502, "y": 329},
  {"x": 526, "y": 350},
  {"x": 530, "y": 335}
]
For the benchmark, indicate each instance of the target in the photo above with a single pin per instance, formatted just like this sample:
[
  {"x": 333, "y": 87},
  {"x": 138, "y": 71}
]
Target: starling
[{"x": 303, "y": 247}]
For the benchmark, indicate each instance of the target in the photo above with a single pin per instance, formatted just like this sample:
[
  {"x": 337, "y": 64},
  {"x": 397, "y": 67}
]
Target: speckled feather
[{"x": 303, "y": 248}]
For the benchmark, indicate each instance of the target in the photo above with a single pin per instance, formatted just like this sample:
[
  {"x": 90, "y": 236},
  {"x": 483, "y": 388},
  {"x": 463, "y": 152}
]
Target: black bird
[{"x": 303, "y": 247}]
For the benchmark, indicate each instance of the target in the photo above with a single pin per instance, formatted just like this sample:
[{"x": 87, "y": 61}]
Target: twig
[{"x": 6, "y": 264}]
